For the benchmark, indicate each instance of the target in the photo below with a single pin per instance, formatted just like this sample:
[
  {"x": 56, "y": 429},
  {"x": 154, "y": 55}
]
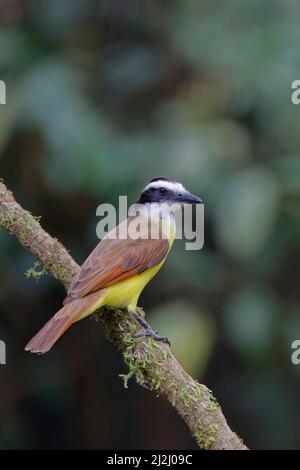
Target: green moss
[
  {"x": 157, "y": 380},
  {"x": 28, "y": 224},
  {"x": 211, "y": 404},
  {"x": 191, "y": 394},
  {"x": 8, "y": 221},
  {"x": 25, "y": 221},
  {"x": 16, "y": 220},
  {"x": 126, "y": 378},
  {"x": 62, "y": 273},
  {"x": 32, "y": 272},
  {"x": 194, "y": 392},
  {"x": 206, "y": 438},
  {"x": 141, "y": 355}
]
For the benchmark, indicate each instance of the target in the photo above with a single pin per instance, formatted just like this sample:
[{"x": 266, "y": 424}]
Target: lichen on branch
[{"x": 150, "y": 362}]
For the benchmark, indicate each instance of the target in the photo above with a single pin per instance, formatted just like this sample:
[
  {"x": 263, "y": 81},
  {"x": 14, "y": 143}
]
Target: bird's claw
[{"x": 152, "y": 334}]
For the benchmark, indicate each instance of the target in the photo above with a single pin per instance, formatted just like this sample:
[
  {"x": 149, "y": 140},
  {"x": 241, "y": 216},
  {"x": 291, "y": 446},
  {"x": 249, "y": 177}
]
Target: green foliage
[{"x": 103, "y": 98}]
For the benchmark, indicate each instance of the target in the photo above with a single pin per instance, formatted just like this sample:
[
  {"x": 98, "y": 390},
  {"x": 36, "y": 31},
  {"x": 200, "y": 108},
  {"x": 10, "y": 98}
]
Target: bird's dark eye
[{"x": 162, "y": 190}]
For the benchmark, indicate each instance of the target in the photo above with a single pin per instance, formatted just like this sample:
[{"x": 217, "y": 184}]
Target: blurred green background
[{"x": 101, "y": 97}]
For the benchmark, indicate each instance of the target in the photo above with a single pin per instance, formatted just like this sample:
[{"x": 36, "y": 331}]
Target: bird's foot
[
  {"x": 152, "y": 334},
  {"x": 148, "y": 330},
  {"x": 141, "y": 320}
]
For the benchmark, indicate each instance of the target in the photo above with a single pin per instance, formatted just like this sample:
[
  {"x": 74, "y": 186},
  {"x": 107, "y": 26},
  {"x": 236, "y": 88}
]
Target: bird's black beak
[{"x": 188, "y": 198}]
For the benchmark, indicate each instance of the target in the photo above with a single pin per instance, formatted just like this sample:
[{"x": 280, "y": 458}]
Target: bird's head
[{"x": 167, "y": 191}]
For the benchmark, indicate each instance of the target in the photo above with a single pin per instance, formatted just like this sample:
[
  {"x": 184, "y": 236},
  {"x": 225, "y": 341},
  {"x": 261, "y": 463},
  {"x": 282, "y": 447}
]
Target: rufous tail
[{"x": 62, "y": 320}]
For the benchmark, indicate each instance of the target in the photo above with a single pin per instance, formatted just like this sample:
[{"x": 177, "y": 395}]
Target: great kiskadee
[{"x": 121, "y": 265}]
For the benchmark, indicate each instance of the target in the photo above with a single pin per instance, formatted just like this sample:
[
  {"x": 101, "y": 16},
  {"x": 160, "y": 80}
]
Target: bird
[{"x": 122, "y": 264}]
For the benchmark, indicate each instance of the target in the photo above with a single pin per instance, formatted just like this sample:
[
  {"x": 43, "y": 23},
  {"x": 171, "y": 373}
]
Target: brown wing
[{"x": 118, "y": 259}]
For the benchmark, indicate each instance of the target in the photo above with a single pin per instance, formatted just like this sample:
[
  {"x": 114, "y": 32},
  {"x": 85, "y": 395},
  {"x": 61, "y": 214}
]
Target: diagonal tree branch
[{"x": 152, "y": 363}]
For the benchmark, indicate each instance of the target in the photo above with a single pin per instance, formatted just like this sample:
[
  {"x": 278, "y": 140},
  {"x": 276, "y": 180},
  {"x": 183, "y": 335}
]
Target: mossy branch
[{"x": 152, "y": 363}]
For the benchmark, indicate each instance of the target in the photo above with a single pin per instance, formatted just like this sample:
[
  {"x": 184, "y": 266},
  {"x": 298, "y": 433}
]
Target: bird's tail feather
[{"x": 62, "y": 320}]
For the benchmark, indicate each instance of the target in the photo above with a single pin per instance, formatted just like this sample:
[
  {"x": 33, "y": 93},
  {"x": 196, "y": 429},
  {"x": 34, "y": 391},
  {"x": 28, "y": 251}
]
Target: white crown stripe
[{"x": 176, "y": 187}]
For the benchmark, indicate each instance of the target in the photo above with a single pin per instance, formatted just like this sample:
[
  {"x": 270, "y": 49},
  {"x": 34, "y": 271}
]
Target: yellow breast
[{"x": 126, "y": 293}]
